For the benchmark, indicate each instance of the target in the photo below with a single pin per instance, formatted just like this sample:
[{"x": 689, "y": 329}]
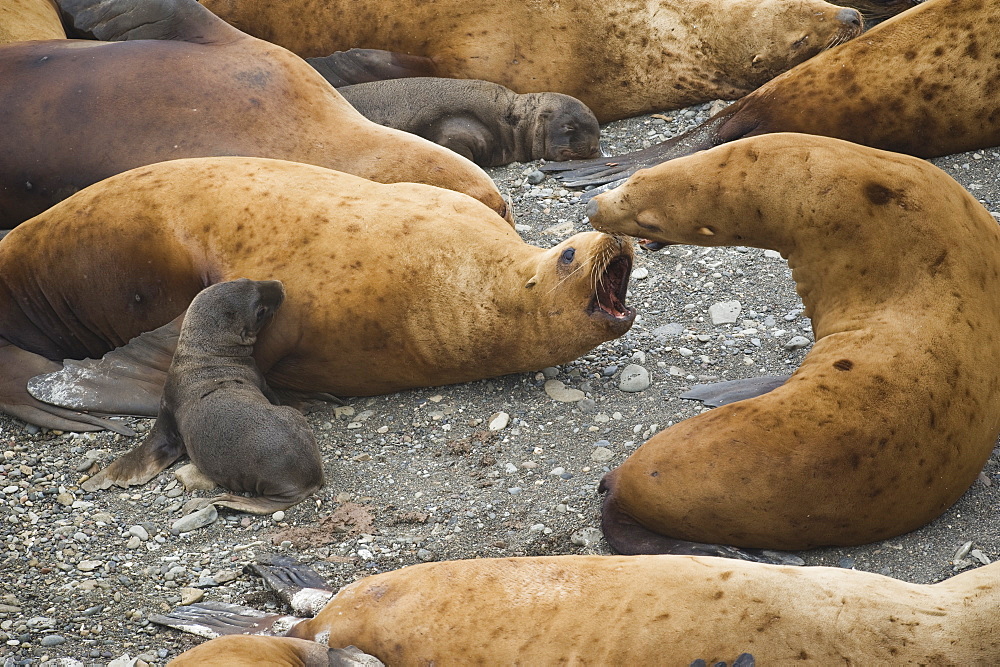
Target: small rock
[
  {"x": 557, "y": 391},
  {"x": 278, "y": 516},
  {"x": 980, "y": 556},
  {"x": 89, "y": 565},
  {"x": 586, "y": 537},
  {"x": 536, "y": 177},
  {"x": 602, "y": 455},
  {"x": 641, "y": 273},
  {"x": 772, "y": 254},
  {"x": 203, "y": 517},
  {"x": 588, "y": 406},
  {"x": 725, "y": 312},
  {"x": 52, "y": 640},
  {"x": 140, "y": 532},
  {"x": 133, "y": 542},
  {"x": 634, "y": 378},
  {"x": 425, "y": 555},
  {"x": 796, "y": 343},
  {"x": 499, "y": 421},
  {"x": 550, "y": 372},
  {"x": 557, "y": 471},
  {"x": 191, "y": 595}
]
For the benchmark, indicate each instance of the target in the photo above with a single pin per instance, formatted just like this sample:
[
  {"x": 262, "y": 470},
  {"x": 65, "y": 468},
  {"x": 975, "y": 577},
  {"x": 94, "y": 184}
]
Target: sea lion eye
[
  {"x": 261, "y": 313},
  {"x": 567, "y": 256}
]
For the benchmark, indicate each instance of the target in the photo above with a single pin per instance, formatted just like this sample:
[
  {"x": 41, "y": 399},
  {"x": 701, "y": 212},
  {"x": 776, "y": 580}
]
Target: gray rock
[
  {"x": 634, "y": 378},
  {"x": 586, "y": 537},
  {"x": 203, "y": 517},
  {"x": 725, "y": 312},
  {"x": 52, "y": 640},
  {"x": 797, "y": 343},
  {"x": 557, "y": 391},
  {"x": 602, "y": 455},
  {"x": 536, "y": 177}
]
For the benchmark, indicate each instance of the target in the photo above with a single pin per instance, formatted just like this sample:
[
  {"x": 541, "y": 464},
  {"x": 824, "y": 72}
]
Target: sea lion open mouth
[{"x": 610, "y": 289}]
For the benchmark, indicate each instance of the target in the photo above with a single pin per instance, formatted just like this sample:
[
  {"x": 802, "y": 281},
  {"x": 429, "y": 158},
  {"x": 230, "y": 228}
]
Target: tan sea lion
[
  {"x": 482, "y": 121},
  {"x": 925, "y": 83},
  {"x": 621, "y": 58},
  {"x": 217, "y": 409},
  {"x": 635, "y": 610},
  {"x": 23, "y": 20},
  {"x": 426, "y": 285},
  {"x": 76, "y": 112},
  {"x": 894, "y": 411}
]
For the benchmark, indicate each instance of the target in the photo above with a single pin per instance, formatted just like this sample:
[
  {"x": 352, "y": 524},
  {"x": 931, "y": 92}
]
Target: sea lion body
[
  {"x": 620, "y": 59},
  {"x": 218, "y": 409},
  {"x": 23, "y": 20},
  {"x": 482, "y": 121},
  {"x": 80, "y": 111},
  {"x": 669, "y": 610},
  {"x": 427, "y": 285},
  {"x": 893, "y": 412}
]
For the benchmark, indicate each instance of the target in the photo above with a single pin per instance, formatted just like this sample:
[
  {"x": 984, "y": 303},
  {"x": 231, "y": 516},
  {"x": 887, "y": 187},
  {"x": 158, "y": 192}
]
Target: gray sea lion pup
[
  {"x": 217, "y": 408},
  {"x": 482, "y": 121}
]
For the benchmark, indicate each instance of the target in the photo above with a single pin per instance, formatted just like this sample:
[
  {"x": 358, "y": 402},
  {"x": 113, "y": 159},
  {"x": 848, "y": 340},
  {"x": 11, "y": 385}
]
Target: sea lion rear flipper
[
  {"x": 346, "y": 68},
  {"x": 214, "y": 619},
  {"x": 258, "y": 504},
  {"x": 126, "y": 381},
  {"x": 722, "y": 393},
  {"x": 123, "y": 20},
  {"x": 627, "y": 536},
  {"x": 18, "y": 366},
  {"x": 300, "y": 586},
  {"x": 160, "y": 448}
]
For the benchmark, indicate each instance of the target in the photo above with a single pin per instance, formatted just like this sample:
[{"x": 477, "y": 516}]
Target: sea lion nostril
[
  {"x": 849, "y": 16},
  {"x": 592, "y": 209}
]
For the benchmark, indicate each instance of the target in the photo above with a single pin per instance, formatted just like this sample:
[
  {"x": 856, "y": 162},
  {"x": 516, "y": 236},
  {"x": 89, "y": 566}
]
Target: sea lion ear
[{"x": 531, "y": 283}]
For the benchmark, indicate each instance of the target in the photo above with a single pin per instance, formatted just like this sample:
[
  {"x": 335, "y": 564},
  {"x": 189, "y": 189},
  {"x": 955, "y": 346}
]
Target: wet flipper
[
  {"x": 742, "y": 660},
  {"x": 628, "y": 537},
  {"x": 126, "y": 381},
  {"x": 346, "y": 68},
  {"x": 157, "y": 451},
  {"x": 300, "y": 586},
  {"x": 722, "y": 393},
  {"x": 17, "y": 367},
  {"x": 305, "y": 401},
  {"x": 124, "y": 20},
  {"x": 215, "y": 619}
]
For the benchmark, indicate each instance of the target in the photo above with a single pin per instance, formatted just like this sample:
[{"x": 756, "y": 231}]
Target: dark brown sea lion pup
[
  {"x": 76, "y": 112},
  {"x": 641, "y": 610},
  {"x": 925, "y": 82},
  {"x": 894, "y": 411},
  {"x": 620, "y": 58},
  {"x": 482, "y": 121},
  {"x": 22, "y": 20},
  {"x": 428, "y": 285},
  {"x": 218, "y": 409}
]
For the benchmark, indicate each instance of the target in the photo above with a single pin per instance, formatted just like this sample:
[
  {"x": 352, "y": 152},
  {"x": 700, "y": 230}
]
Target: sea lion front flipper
[
  {"x": 214, "y": 619},
  {"x": 300, "y": 586},
  {"x": 628, "y": 537},
  {"x": 123, "y": 20},
  {"x": 722, "y": 393},
  {"x": 346, "y": 68},
  {"x": 18, "y": 367},
  {"x": 160, "y": 448},
  {"x": 126, "y": 381}
]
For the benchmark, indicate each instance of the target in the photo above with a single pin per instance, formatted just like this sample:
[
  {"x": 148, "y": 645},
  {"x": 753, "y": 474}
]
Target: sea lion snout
[{"x": 850, "y": 18}]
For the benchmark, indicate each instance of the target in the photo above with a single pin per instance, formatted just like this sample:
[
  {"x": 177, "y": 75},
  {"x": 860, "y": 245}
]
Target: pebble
[
  {"x": 278, "y": 516},
  {"x": 52, "y": 640},
  {"x": 634, "y": 378},
  {"x": 796, "y": 343},
  {"x": 725, "y": 312},
  {"x": 139, "y": 532},
  {"x": 558, "y": 391},
  {"x": 641, "y": 273},
  {"x": 191, "y": 595},
  {"x": 535, "y": 177},
  {"x": 203, "y": 517},
  {"x": 602, "y": 455},
  {"x": 499, "y": 421},
  {"x": 425, "y": 555},
  {"x": 89, "y": 565},
  {"x": 586, "y": 537}
]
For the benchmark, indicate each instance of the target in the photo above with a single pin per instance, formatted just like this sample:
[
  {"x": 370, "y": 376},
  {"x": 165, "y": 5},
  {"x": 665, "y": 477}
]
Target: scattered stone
[
  {"x": 641, "y": 273},
  {"x": 89, "y": 565},
  {"x": 725, "y": 312},
  {"x": 191, "y": 595},
  {"x": 980, "y": 556},
  {"x": 586, "y": 537},
  {"x": 634, "y": 378},
  {"x": 278, "y": 516},
  {"x": 52, "y": 640},
  {"x": 602, "y": 455},
  {"x": 535, "y": 177},
  {"x": 139, "y": 531},
  {"x": 425, "y": 555},
  {"x": 499, "y": 421},
  {"x": 796, "y": 343},
  {"x": 557, "y": 391},
  {"x": 203, "y": 517}
]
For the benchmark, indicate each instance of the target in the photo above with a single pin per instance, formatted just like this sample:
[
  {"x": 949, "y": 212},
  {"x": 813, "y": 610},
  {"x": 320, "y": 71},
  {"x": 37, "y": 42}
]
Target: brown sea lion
[
  {"x": 621, "y": 58},
  {"x": 76, "y": 112},
  {"x": 427, "y": 285},
  {"x": 482, "y": 121},
  {"x": 894, "y": 411},
  {"x": 217, "y": 408},
  {"x": 23, "y": 20},
  {"x": 634, "y": 610},
  {"x": 925, "y": 83}
]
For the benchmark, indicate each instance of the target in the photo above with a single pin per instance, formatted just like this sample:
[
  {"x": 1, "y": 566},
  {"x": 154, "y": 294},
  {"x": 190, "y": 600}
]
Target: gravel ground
[{"x": 421, "y": 475}]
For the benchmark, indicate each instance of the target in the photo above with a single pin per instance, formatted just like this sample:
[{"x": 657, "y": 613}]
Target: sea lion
[
  {"x": 23, "y": 20},
  {"x": 925, "y": 82},
  {"x": 621, "y": 58},
  {"x": 895, "y": 409},
  {"x": 482, "y": 121},
  {"x": 426, "y": 285},
  {"x": 217, "y": 408},
  {"x": 639, "y": 610},
  {"x": 76, "y": 112}
]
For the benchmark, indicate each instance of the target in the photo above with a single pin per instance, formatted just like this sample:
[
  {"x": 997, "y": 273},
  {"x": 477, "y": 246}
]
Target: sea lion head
[
  {"x": 880, "y": 9},
  {"x": 590, "y": 272},
  {"x": 234, "y": 312},
  {"x": 558, "y": 127}
]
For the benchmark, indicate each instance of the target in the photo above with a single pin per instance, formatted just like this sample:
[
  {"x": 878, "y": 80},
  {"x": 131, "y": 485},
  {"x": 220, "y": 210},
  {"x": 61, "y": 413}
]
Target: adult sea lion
[
  {"x": 22, "y": 20},
  {"x": 894, "y": 411},
  {"x": 621, "y": 58},
  {"x": 482, "y": 121},
  {"x": 76, "y": 112},
  {"x": 925, "y": 82},
  {"x": 427, "y": 285},
  {"x": 217, "y": 408},
  {"x": 664, "y": 610}
]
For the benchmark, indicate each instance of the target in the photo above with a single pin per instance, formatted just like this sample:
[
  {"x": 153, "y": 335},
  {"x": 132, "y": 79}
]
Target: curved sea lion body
[
  {"x": 427, "y": 285},
  {"x": 622, "y": 59},
  {"x": 664, "y": 610},
  {"x": 23, "y": 20},
  {"x": 893, "y": 412},
  {"x": 925, "y": 82},
  {"x": 218, "y": 409},
  {"x": 482, "y": 121},
  {"x": 78, "y": 112}
]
